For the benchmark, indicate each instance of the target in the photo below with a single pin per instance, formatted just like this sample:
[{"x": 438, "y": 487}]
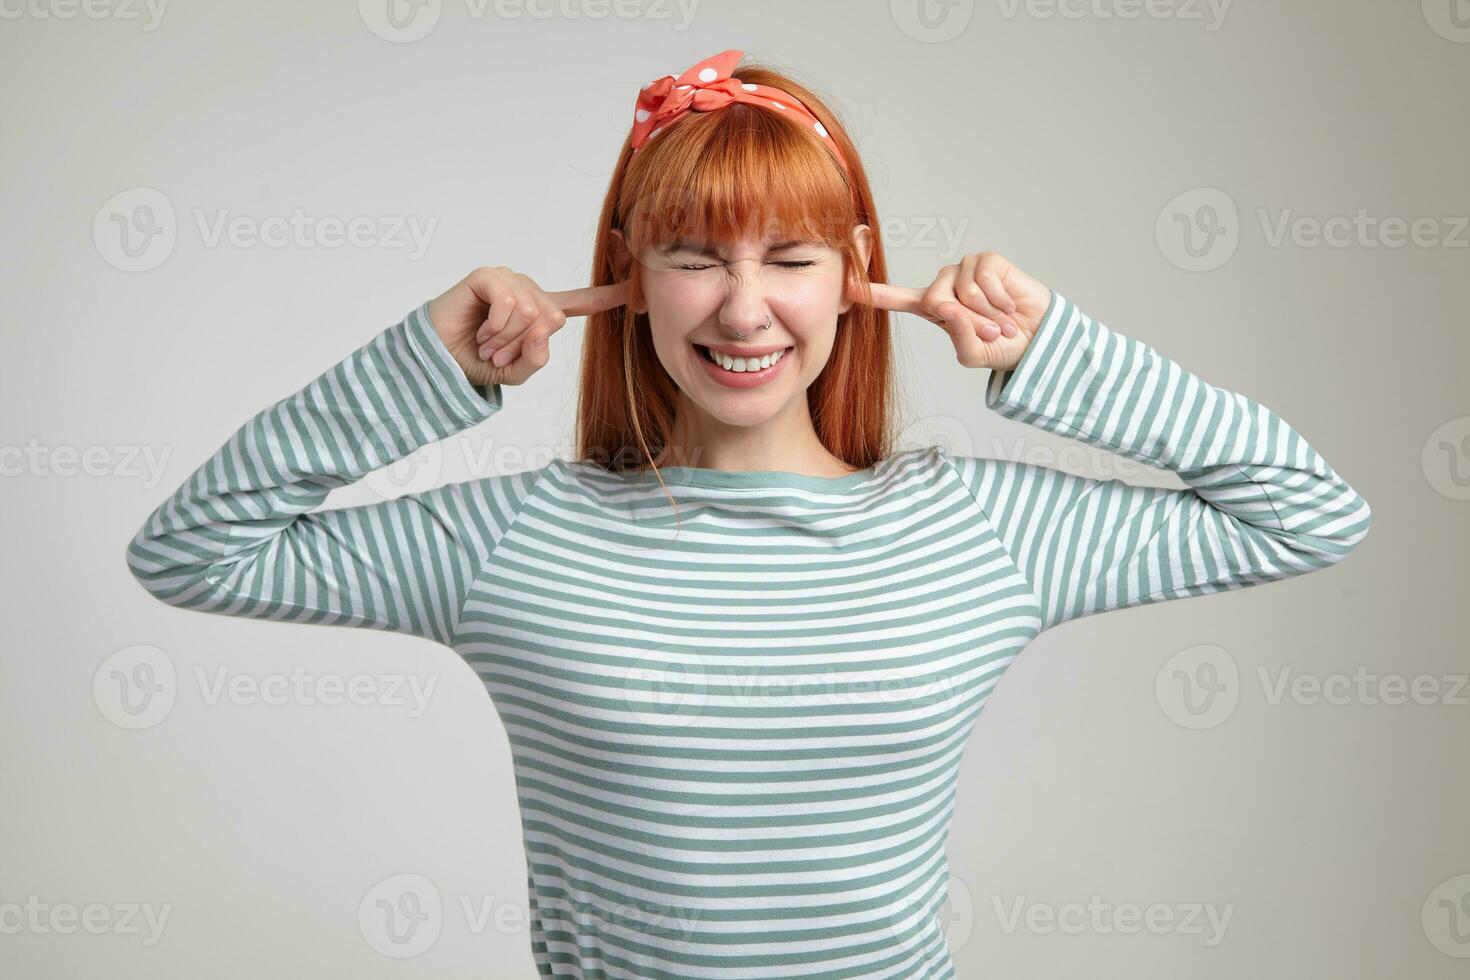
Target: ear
[
  {"x": 862, "y": 240},
  {"x": 622, "y": 258}
]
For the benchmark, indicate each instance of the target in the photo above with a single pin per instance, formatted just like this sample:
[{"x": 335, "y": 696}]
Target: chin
[{"x": 745, "y": 418}]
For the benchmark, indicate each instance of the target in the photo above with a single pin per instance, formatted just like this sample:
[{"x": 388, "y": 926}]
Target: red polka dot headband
[{"x": 707, "y": 86}]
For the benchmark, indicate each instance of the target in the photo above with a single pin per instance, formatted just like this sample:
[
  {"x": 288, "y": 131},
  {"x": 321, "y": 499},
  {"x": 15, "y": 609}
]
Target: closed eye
[{"x": 785, "y": 265}]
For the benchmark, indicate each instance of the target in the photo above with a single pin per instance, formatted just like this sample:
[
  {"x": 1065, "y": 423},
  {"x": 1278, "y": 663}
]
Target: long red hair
[{"x": 717, "y": 176}]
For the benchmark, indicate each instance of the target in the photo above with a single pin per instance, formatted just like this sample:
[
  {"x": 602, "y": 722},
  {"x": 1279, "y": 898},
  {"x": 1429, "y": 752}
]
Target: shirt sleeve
[
  {"x": 1260, "y": 503},
  {"x": 239, "y": 536}
]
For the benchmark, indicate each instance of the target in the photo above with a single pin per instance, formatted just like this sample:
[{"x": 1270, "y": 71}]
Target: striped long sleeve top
[{"x": 736, "y": 732}]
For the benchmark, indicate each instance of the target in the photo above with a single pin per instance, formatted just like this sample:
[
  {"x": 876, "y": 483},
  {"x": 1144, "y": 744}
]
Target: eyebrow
[{"x": 698, "y": 248}]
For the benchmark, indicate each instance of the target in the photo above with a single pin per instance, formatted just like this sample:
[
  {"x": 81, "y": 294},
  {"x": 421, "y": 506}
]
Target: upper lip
[{"x": 745, "y": 351}]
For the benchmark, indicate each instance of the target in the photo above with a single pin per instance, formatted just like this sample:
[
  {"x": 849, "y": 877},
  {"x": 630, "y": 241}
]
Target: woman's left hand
[{"x": 989, "y": 308}]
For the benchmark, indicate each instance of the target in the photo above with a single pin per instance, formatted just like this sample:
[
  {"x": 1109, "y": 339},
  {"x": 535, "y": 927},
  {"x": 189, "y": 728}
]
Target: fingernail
[
  {"x": 486, "y": 352},
  {"x": 501, "y": 358}
]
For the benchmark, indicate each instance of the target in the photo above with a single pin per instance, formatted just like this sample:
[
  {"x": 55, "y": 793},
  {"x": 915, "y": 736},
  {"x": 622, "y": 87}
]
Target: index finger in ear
[
  {"x": 591, "y": 299},
  {"x": 901, "y": 299}
]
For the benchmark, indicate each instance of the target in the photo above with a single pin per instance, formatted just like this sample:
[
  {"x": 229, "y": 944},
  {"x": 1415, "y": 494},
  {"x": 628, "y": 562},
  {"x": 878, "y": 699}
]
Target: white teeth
[{"x": 741, "y": 364}]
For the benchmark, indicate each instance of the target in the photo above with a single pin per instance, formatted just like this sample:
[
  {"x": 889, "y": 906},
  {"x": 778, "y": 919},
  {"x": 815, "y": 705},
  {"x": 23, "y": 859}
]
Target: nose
[{"x": 744, "y": 309}]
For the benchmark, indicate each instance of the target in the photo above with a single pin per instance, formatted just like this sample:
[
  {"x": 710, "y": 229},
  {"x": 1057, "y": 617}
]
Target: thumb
[
  {"x": 535, "y": 353},
  {"x": 590, "y": 299}
]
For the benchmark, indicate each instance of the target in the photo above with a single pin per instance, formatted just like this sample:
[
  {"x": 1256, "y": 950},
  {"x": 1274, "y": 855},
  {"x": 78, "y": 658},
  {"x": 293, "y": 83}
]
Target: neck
[{"x": 787, "y": 442}]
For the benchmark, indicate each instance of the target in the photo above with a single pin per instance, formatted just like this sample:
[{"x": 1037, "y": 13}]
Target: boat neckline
[{"x": 705, "y": 476}]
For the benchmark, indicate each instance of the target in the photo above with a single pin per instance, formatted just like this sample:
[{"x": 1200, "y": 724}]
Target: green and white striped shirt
[{"x": 736, "y": 749}]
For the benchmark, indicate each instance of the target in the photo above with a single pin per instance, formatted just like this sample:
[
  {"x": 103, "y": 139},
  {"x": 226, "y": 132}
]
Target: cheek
[
  {"x": 808, "y": 305},
  {"x": 815, "y": 292},
  {"x": 675, "y": 308},
  {"x": 686, "y": 297}
]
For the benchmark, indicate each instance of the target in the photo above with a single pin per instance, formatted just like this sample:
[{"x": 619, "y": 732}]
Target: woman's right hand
[{"x": 495, "y": 311}]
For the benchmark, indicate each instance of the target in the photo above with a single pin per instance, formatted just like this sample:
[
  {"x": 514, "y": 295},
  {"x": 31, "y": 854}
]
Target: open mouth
[{"x": 741, "y": 365}]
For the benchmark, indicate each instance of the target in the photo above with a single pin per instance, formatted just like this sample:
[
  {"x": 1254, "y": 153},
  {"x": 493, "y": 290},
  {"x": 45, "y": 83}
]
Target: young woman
[{"x": 739, "y": 644}]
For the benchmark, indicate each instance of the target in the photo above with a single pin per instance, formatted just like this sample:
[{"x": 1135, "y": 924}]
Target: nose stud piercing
[{"x": 764, "y": 326}]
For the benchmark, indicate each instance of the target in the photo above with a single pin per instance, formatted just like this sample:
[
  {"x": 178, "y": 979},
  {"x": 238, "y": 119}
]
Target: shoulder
[
  {"x": 976, "y": 471},
  {"x": 492, "y": 502}
]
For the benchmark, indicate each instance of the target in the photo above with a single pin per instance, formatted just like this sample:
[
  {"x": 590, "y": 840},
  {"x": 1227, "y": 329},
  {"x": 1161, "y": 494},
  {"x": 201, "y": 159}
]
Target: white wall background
[{"x": 1332, "y": 834}]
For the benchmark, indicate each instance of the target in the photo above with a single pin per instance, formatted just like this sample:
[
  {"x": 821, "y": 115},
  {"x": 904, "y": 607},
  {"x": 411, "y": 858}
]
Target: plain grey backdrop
[{"x": 208, "y": 204}]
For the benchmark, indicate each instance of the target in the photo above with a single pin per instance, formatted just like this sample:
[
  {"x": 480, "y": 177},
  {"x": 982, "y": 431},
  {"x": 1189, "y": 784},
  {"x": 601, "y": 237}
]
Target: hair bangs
[{"x": 740, "y": 173}]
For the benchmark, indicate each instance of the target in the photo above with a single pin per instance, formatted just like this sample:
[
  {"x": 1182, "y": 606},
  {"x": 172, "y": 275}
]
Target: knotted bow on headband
[{"x": 707, "y": 86}]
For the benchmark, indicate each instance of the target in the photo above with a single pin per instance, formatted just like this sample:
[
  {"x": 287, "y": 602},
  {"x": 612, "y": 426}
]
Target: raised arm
[
  {"x": 1261, "y": 504},
  {"x": 238, "y": 537}
]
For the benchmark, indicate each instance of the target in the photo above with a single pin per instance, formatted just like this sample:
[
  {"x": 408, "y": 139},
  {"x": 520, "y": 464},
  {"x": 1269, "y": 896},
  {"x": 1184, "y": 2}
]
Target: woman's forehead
[
  {"x": 773, "y": 243},
  {"x": 746, "y": 225}
]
